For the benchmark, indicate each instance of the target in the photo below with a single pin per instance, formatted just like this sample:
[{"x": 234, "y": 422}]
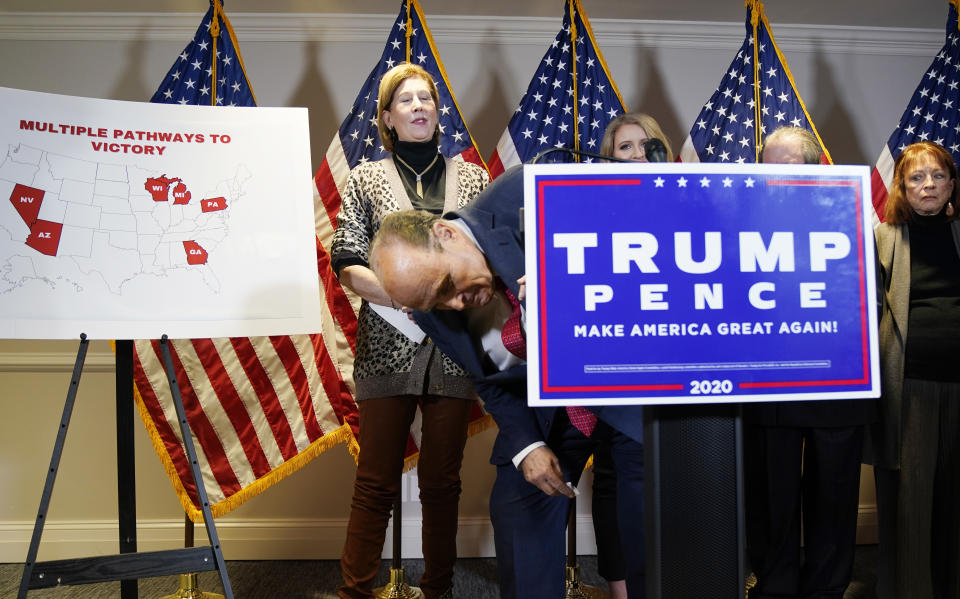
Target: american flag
[
  {"x": 259, "y": 408},
  {"x": 190, "y": 79},
  {"x": 569, "y": 102},
  {"x": 756, "y": 95},
  {"x": 932, "y": 114},
  {"x": 358, "y": 140}
]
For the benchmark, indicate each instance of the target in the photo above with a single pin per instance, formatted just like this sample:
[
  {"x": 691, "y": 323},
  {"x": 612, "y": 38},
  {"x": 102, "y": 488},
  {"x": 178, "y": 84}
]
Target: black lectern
[{"x": 694, "y": 501}]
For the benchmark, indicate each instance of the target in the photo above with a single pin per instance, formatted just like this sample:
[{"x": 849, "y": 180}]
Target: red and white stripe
[
  {"x": 881, "y": 181},
  {"x": 504, "y": 157},
  {"x": 688, "y": 153},
  {"x": 259, "y": 408}
]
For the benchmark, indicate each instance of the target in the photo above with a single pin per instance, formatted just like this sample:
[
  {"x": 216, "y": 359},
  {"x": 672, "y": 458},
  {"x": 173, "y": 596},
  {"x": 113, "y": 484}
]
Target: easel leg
[
  {"x": 194, "y": 466},
  {"x": 54, "y": 465},
  {"x": 126, "y": 464}
]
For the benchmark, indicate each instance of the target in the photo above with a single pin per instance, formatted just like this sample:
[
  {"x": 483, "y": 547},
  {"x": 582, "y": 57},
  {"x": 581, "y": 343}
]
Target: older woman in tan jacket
[{"x": 917, "y": 440}]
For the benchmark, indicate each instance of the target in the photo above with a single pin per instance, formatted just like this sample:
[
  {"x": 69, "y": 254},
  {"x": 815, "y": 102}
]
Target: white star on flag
[
  {"x": 593, "y": 98},
  {"x": 724, "y": 130},
  {"x": 939, "y": 120}
]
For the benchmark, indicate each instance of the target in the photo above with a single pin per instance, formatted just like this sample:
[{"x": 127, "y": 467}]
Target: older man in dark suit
[
  {"x": 802, "y": 462},
  {"x": 461, "y": 276}
]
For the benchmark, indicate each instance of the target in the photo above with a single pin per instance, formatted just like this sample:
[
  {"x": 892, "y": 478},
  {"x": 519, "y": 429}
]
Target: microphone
[{"x": 655, "y": 151}]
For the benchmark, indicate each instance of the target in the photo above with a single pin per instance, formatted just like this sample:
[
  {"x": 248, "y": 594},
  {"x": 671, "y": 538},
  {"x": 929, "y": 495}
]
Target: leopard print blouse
[{"x": 387, "y": 362}]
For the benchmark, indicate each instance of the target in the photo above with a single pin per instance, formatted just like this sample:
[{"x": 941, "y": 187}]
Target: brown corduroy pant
[{"x": 384, "y": 425}]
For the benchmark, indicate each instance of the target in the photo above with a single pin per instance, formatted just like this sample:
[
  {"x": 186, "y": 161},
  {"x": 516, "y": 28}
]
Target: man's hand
[
  {"x": 541, "y": 468},
  {"x": 522, "y": 292}
]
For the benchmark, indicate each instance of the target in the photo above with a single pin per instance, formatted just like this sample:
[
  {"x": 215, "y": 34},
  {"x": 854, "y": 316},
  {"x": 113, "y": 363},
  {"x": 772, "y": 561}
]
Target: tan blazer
[{"x": 893, "y": 257}]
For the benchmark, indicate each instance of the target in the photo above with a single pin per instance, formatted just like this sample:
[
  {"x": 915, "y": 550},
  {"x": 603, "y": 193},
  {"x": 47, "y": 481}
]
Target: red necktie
[
  {"x": 516, "y": 344},
  {"x": 512, "y": 331}
]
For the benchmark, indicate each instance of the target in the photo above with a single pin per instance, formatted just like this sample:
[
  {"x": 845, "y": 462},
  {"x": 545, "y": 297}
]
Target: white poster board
[{"x": 131, "y": 220}]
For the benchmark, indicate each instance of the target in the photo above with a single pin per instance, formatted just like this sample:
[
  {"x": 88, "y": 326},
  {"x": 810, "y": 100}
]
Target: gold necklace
[{"x": 421, "y": 173}]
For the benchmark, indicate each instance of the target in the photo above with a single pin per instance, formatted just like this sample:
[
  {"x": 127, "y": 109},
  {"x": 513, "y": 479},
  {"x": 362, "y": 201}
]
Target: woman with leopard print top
[{"x": 393, "y": 373}]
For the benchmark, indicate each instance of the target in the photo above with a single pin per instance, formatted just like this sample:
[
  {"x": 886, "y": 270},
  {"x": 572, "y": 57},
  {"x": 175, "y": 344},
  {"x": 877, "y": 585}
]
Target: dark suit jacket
[
  {"x": 494, "y": 218},
  {"x": 821, "y": 413}
]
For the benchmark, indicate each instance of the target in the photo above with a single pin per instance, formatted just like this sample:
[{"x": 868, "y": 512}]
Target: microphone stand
[
  {"x": 580, "y": 153},
  {"x": 653, "y": 148}
]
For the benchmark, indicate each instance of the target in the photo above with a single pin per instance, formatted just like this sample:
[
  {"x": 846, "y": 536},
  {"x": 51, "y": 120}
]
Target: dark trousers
[
  {"x": 808, "y": 472},
  {"x": 530, "y": 527},
  {"x": 384, "y": 426},
  {"x": 606, "y": 525},
  {"x": 919, "y": 504}
]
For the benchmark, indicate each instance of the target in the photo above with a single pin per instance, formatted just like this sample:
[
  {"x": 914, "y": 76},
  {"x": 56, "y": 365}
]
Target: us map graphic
[{"x": 73, "y": 222}]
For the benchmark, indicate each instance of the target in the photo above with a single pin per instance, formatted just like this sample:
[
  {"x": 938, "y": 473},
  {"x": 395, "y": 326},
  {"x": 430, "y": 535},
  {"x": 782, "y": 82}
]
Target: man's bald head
[{"x": 425, "y": 262}]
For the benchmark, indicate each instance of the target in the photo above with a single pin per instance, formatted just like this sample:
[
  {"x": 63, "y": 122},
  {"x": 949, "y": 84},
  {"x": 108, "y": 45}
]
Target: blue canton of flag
[
  {"x": 358, "y": 132},
  {"x": 931, "y": 114},
  {"x": 757, "y": 88},
  {"x": 556, "y": 104},
  {"x": 189, "y": 79}
]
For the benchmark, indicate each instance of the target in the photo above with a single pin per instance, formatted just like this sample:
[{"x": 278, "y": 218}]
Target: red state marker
[
  {"x": 158, "y": 186},
  {"x": 181, "y": 195},
  {"x": 195, "y": 253},
  {"x": 27, "y": 201},
  {"x": 45, "y": 237},
  {"x": 213, "y": 204}
]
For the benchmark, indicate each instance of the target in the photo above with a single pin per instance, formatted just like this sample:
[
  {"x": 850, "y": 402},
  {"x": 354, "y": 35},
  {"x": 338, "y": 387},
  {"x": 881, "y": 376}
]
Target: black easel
[{"x": 128, "y": 566}]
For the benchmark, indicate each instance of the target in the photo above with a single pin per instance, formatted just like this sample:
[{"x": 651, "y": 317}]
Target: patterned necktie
[
  {"x": 512, "y": 331},
  {"x": 516, "y": 344}
]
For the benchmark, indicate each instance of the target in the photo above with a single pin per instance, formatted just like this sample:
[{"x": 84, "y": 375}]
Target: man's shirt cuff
[{"x": 525, "y": 452}]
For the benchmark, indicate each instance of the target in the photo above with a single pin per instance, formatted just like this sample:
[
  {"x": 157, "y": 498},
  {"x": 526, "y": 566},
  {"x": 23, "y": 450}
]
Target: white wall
[{"x": 855, "y": 82}]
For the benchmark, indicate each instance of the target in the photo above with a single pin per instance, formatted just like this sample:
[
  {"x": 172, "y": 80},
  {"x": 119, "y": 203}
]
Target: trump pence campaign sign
[{"x": 699, "y": 283}]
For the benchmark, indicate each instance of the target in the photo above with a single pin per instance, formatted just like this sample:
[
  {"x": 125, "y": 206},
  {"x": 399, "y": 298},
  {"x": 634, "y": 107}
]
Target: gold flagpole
[
  {"x": 755, "y": 6},
  {"x": 573, "y": 54},
  {"x": 408, "y": 32},
  {"x": 215, "y": 34},
  {"x": 398, "y": 588}
]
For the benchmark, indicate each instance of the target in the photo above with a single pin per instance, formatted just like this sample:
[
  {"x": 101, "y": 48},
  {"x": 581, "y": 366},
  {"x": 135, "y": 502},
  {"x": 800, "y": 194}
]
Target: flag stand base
[
  {"x": 188, "y": 589},
  {"x": 397, "y": 588},
  {"x": 188, "y": 581},
  {"x": 575, "y": 589}
]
